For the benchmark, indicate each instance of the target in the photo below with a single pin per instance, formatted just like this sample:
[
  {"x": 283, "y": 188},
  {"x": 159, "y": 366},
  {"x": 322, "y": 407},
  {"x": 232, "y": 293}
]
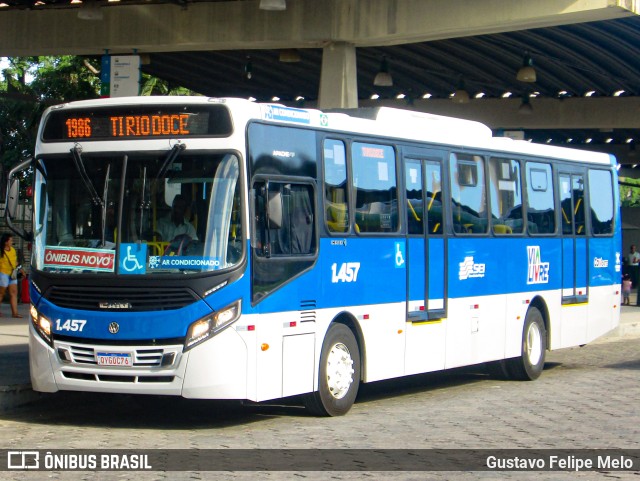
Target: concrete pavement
[{"x": 15, "y": 383}]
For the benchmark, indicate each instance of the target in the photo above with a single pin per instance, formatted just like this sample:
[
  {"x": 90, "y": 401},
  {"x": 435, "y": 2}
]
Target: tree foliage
[{"x": 31, "y": 84}]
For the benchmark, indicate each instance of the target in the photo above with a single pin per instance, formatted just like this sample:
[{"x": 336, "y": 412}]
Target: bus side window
[
  {"x": 468, "y": 196},
  {"x": 335, "y": 186},
  {"x": 415, "y": 204},
  {"x": 601, "y": 200},
  {"x": 506, "y": 196},
  {"x": 434, "y": 197},
  {"x": 540, "y": 200},
  {"x": 284, "y": 219},
  {"x": 376, "y": 188}
]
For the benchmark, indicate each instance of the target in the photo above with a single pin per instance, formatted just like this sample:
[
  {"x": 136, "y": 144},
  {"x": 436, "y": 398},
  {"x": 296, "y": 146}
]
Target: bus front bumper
[{"x": 215, "y": 369}]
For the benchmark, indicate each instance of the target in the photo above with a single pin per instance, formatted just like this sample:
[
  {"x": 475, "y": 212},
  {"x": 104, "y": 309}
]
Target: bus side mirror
[{"x": 13, "y": 196}]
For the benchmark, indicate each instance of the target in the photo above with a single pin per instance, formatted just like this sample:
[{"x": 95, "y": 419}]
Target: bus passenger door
[
  {"x": 574, "y": 242},
  {"x": 426, "y": 254},
  {"x": 574, "y": 259}
]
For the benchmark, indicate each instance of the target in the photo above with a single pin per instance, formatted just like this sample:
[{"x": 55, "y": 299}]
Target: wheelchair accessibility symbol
[
  {"x": 399, "y": 255},
  {"x": 133, "y": 258}
]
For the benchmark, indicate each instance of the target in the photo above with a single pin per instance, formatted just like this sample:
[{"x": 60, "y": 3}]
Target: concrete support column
[{"x": 338, "y": 82}]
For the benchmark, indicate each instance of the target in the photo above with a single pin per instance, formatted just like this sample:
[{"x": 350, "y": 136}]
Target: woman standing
[{"x": 9, "y": 263}]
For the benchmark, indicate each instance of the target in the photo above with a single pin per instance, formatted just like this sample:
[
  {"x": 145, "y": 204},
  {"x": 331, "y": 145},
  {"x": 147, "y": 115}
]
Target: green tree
[{"x": 30, "y": 84}]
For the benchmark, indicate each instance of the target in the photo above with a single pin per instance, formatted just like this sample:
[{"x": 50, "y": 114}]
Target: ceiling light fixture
[
  {"x": 383, "y": 77},
  {"x": 527, "y": 73},
  {"x": 273, "y": 5}
]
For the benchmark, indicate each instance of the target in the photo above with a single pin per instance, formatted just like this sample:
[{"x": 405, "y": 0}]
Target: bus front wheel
[
  {"x": 339, "y": 375},
  {"x": 530, "y": 364}
]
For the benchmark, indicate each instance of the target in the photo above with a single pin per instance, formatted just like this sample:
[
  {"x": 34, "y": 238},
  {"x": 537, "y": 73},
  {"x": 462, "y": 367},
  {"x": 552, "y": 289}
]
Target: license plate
[{"x": 118, "y": 359}]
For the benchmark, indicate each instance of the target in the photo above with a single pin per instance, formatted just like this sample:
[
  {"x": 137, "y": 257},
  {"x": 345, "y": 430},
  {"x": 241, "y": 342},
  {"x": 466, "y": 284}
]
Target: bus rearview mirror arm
[{"x": 12, "y": 198}]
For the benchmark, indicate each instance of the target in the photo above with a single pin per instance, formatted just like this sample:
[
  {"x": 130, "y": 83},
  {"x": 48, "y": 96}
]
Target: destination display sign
[{"x": 137, "y": 122}]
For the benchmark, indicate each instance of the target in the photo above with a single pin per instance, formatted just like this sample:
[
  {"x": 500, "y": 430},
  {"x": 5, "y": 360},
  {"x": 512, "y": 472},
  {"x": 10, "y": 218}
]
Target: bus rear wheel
[
  {"x": 339, "y": 375},
  {"x": 530, "y": 364}
]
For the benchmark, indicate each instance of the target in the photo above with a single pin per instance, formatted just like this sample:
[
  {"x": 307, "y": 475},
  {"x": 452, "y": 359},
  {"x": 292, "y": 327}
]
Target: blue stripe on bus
[{"x": 365, "y": 271}]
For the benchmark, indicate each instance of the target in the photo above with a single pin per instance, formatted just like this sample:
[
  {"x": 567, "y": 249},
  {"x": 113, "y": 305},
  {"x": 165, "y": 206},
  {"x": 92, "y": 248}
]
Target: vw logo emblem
[{"x": 114, "y": 327}]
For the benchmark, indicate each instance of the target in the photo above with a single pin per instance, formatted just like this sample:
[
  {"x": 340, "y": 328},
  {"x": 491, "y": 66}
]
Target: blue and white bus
[{"x": 323, "y": 249}]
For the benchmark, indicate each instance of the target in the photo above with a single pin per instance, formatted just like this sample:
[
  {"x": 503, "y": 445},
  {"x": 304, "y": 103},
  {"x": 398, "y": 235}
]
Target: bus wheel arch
[
  {"x": 339, "y": 372},
  {"x": 539, "y": 303}
]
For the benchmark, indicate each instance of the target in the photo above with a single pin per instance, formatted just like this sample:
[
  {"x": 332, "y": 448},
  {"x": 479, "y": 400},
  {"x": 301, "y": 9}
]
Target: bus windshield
[{"x": 137, "y": 213}]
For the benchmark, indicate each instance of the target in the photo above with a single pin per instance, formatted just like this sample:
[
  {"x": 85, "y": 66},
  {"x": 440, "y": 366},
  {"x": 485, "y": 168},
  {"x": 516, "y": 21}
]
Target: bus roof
[{"x": 379, "y": 121}]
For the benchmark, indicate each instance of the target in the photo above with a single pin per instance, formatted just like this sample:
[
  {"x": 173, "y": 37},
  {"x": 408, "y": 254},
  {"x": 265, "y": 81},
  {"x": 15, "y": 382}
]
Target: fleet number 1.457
[{"x": 348, "y": 272}]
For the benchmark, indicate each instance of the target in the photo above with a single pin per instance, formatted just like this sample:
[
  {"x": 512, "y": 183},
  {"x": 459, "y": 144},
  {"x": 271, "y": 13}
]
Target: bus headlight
[
  {"x": 207, "y": 327},
  {"x": 42, "y": 325}
]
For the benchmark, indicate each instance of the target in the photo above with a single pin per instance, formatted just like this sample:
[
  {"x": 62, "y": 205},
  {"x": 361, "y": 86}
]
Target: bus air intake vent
[
  {"x": 119, "y": 299},
  {"x": 308, "y": 311}
]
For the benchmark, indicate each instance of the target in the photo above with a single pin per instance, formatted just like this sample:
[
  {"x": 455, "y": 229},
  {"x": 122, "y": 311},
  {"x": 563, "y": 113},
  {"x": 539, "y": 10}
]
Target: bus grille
[
  {"x": 141, "y": 357},
  {"x": 124, "y": 299}
]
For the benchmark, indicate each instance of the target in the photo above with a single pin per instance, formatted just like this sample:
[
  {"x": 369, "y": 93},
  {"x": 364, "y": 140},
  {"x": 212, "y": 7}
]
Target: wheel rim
[
  {"x": 339, "y": 370},
  {"x": 534, "y": 344}
]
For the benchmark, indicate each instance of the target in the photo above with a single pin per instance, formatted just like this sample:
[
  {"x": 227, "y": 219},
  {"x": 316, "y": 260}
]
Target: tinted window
[
  {"x": 375, "y": 186},
  {"x": 434, "y": 197},
  {"x": 572, "y": 204},
  {"x": 601, "y": 199},
  {"x": 274, "y": 149},
  {"x": 468, "y": 196},
  {"x": 335, "y": 186},
  {"x": 285, "y": 224},
  {"x": 540, "y": 212},
  {"x": 284, "y": 240},
  {"x": 506, "y": 196},
  {"x": 415, "y": 204}
]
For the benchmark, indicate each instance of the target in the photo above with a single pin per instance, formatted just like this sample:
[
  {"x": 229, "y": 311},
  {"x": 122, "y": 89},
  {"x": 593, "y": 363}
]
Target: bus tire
[
  {"x": 530, "y": 364},
  {"x": 339, "y": 374}
]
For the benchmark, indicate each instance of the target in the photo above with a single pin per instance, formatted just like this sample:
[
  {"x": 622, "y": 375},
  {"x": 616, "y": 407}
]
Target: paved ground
[{"x": 586, "y": 398}]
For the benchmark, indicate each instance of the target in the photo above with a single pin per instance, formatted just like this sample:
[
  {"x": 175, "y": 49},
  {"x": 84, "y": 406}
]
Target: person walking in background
[
  {"x": 9, "y": 269},
  {"x": 626, "y": 289},
  {"x": 634, "y": 262}
]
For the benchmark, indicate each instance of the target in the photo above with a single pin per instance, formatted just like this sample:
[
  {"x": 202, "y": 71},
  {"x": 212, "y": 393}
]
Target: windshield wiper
[
  {"x": 171, "y": 157},
  {"x": 145, "y": 202},
  {"x": 105, "y": 191},
  {"x": 79, "y": 163}
]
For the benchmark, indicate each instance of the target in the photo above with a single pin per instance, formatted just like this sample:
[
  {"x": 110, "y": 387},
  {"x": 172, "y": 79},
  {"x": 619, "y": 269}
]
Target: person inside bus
[{"x": 175, "y": 226}]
